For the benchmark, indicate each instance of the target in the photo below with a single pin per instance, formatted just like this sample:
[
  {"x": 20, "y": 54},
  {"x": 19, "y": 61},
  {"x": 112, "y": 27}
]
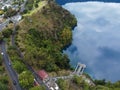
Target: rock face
[{"x": 43, "y": 35}]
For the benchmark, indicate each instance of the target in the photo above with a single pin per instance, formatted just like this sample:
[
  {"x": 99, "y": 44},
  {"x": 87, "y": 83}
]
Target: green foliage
[
  {"x": 103, "y": 85},
  {"x": 66, "y": 36},
  {"x": 38, "y": 88},
  {"x": 4, "y": 79},
  {"x": 78, "y": 80},
  {"x": 100, "y": 82},
  {"x": 19, "y": 66},
  {"x": 63, "y": 84},
  {"x": 117, "y": 84},
  {"x": 53, "y": 58},
  {"x": 99, "y": 87},
  {"x": 1, "y": 36},
  {"x": 3, "y": 86},
  {"x": 81, "y": 83},
  {"x": 2, "y": 69},
  {"x": 31, "y": 3},
  {"x": 9, "y": 12},
  {"x": 36, "y": 5},
  {"x": 0, "y": 60},
  {"x": 44, "y": 34},
  {"x": 6, "y": 33},
  {"x": 26, "y": 79}
]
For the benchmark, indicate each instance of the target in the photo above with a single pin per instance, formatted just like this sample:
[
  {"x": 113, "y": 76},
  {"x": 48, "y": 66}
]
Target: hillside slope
[{"x": 43, "y": 34}]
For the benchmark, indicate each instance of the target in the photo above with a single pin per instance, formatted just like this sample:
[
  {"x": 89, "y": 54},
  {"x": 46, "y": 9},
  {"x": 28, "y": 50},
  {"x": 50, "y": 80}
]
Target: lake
[
  {"x": 61, "y": 2},
  {"x": 96, "y": 38}
]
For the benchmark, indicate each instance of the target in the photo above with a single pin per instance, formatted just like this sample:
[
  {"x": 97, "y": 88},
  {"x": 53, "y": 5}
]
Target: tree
[
  {"x": 38, "y": 88},
  {"x": 63, "y": 84},
  {"x": 1, "y": 36},
  {"x": 4, "y": 79},
  {"x": 66, "y": 36},
  {"x": 100, "y": 82},
  {"x": 7, "y": 32},
  {"x": 26, "y": 79},
  {"x": 117, "y": 84},
  {"x": 36, "y": 5},
  {"x": 9, "y": 12},
  {"x": 3, "y": 86},
  {"x": 19, "y": 66},
  {"x": 78, "y": 80}
]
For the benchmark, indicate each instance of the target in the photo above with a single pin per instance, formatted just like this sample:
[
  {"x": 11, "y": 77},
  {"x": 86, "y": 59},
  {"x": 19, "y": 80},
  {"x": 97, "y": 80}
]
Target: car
[
  {"x": 9, "y": 64},
  {"x": 2, "y": 53},
  {"x": 51, "y": 88},
  {"x": 56, "y": 87},
  {"x": 14, "y": 82}
]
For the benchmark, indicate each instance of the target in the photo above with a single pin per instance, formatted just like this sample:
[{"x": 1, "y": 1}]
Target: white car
[
  {"x": 2, "y": 53},
  {"x": 56, "y": 87},
  {"x": 9, "y": 63},
  {"x": 51, "y": 88}
]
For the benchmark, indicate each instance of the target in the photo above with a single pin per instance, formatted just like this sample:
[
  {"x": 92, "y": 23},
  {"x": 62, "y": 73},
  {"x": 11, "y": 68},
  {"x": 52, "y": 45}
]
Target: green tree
[
  {"x": 3, "y": 86},
  {"x": 26, "y": 79},
  {"x": 6, "y": 33},
  {"x": 63, "y": 84},
  {"x": 66, "y": 36},
  {"x": 19, "y": 66},
  {"x": 4, "y": 79},
  {"x": 1, "y": 36},
  {"x": 36, "y": 5},
  {"x": 38, "y": 88},
  {"x": 100, "y": 82},
  {"x": 9, "y": 12},
  {"x": 78, "y": 80},
  {"x": 117, "y": 84}
]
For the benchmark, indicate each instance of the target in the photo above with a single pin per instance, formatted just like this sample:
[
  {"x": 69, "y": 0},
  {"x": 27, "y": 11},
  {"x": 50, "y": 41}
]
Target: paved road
[
  {"x": 23, "y": 6},
  {"x": 4, "y": 24},
  {"x": 9, "y": 68}
]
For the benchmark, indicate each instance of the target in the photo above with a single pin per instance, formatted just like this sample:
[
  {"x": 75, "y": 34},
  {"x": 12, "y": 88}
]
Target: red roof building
[{"x": 42, "y": 74}]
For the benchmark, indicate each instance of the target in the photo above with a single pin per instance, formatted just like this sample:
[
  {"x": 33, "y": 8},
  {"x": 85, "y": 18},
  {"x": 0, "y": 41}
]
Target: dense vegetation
[
  {"x": 5, "y": 33},
  {"x": 26, "y": 78},
  {"x": 77, "y": 83},
  {"x": 8, "y": 12},
  {"x": 43, "y": 35},
  {"x": 31, "y": 4}
]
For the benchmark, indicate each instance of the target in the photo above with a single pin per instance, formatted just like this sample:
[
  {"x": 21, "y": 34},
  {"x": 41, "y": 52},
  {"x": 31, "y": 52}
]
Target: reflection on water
[
  {"x": 68, "y": 1},
  {"x": 96, "y": 39}
]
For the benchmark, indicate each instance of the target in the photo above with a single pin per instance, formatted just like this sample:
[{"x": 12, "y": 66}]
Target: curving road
[
  {"x": 12, "y": 73},
  {"x": 9, "y": 68},
  {"x": 23, "y": 6},
  {"x": 22, "y": 59}
]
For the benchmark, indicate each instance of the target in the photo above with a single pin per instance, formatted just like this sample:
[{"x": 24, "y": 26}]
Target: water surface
[
  {"x": 61, "y": 2},
  {"x": 96, "y": 39}
]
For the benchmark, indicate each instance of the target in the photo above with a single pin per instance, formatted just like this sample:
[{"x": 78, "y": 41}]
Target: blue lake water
[
  {"x": 69, "y": 1},
  {"x": 96, "y": 39}
]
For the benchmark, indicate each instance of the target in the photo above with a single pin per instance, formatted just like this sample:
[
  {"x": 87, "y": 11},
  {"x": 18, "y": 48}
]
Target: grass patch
[{"x": 41, "y": 4}]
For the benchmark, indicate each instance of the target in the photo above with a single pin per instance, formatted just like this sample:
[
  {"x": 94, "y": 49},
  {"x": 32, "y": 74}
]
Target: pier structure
[{"x": 79, "y": 69}]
